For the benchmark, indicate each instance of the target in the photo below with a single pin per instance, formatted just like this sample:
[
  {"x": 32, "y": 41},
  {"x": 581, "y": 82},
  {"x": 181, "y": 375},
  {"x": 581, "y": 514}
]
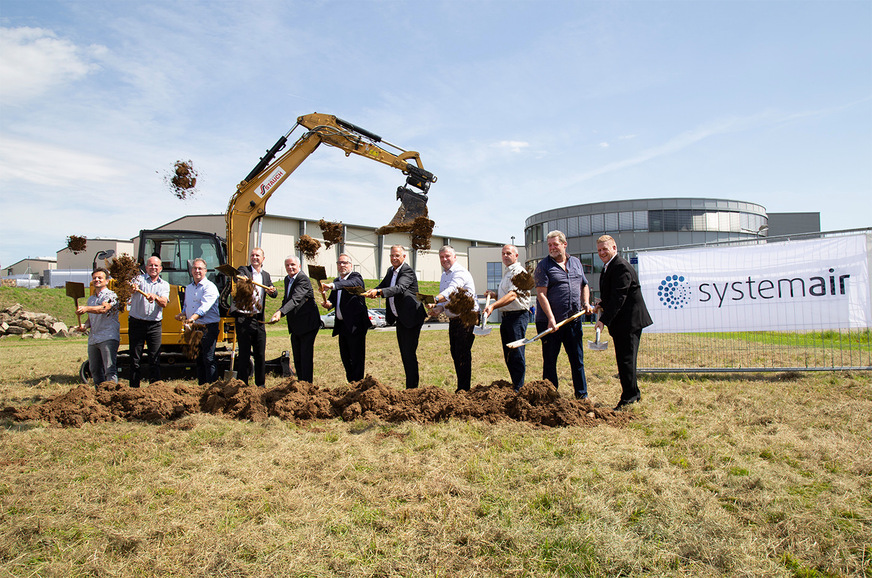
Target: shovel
[
  {"x": 523, "y": 342},
  {"x": 319, "y": 273},
  {"x": 229, "y": 373},
  {"x": 234, "y": 274},
  {"x": 75, "y": 290},
  {"x": 481, "y": 329},
  {"x": 597, "y": 345}
]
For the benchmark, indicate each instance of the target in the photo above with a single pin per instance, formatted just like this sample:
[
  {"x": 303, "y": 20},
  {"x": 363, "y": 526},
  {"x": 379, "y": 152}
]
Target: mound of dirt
[{"x": 537, "y": 403}]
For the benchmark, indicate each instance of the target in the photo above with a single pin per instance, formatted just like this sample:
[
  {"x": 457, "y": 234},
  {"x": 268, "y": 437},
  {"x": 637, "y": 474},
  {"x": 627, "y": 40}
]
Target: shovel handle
[
  {"x": 252, "y": 282},
  {"x": 78, "y": 315}
]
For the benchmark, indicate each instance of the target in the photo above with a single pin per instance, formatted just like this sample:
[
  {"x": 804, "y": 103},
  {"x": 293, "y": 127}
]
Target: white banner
[{"x": 791, "y": 286}]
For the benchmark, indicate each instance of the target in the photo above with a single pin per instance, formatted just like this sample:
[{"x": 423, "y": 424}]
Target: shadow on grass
[{"x": 722, "y": 376}]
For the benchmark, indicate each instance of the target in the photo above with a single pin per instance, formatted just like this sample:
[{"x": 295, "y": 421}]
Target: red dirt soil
[{"x": 537, "y": 403}]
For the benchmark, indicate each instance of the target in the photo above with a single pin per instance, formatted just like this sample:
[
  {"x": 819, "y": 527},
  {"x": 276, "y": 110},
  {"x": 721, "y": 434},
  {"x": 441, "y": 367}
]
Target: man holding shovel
[
  {"x": 104, "y": 335},
  {"x": 352, "y": 317},
  {"x": 145, "y": 316},
  {"x": 399, "y": 288},
  {"x": 515, "y": 305},
  {"x": 623, "y": 311},
  {"x": 250, "y": 329},
  {"x": 299, "y": 307},
  {"x": 201, "y": 306},
  {"x": 561, "y": 291}
]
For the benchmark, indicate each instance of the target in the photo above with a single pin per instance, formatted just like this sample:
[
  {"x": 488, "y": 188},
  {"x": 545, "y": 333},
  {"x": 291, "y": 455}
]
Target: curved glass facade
[{"x": 643, "y": 223}]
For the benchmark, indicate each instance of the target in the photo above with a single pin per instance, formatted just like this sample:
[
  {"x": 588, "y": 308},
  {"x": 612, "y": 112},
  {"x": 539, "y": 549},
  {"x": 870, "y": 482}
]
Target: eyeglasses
[{"x": 343, "y": 262}]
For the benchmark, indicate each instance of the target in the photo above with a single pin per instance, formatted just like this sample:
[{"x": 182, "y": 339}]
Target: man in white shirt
[
  {"x": 460, "y": 336},
  {"x": 250, "y": 330},
  {"x": 515, "y": 309},
  {"x": 352, "y": 317},
  {"x": 104, "y": 335},
  {"x": 144, "y": 320}
]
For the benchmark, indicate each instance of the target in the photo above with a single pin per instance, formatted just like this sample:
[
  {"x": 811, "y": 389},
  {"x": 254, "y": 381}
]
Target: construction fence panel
[{"x": 798, "y": 303}]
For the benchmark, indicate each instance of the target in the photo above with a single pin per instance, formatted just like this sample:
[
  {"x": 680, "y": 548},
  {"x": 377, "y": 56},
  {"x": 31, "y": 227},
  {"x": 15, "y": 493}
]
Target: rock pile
[{"x": 14, "y": 320}]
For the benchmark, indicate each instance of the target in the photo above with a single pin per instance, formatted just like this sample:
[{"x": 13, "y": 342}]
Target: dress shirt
[
  {"x": 522, "y": 302},
  {"x": 457, "y": 277},
  {"x": 202, "y": 298},
  {"x": 564, "y": 287}
]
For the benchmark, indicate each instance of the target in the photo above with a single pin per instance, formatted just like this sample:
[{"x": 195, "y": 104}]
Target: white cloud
[
  {"x": 47, "y": 165},
  {"x": 34, "y": 60},
  {"x": 515, "y": 146},
  {"x": 603, "y": 145}
]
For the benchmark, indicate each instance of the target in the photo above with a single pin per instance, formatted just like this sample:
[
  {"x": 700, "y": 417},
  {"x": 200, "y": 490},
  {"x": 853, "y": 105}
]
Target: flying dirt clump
[
  {"x": 243, "y": 296},
  {"x": 192, "y": 335},
  {"x": 308, "y": 247},
  {"x": 462, "y": 304},
  {"x": 422, "y": 230},
  {"x": 332, "y": 233},
  {"x": 538, "y": 403},
  {"x": 523, "y": 281},
  {"x": 76, "y": 244},
  {"x": 182, "y": 181},
  {"x": 124, "y": 270}
]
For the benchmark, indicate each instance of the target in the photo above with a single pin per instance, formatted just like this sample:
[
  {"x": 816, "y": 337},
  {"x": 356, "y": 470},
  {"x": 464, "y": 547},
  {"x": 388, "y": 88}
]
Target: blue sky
[{"x": 517, "y": 107}]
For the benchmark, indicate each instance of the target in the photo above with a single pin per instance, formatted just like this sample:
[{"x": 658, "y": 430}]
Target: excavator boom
[{"x": 249, "y": 201}]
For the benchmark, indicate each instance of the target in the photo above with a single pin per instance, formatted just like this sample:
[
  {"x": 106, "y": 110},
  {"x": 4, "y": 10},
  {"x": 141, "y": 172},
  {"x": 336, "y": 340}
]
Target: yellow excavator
[{"x": 177, "y": 248}]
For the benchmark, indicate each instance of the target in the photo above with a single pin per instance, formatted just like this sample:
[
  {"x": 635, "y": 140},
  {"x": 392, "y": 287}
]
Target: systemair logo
[{"x": 674, "y": 292}]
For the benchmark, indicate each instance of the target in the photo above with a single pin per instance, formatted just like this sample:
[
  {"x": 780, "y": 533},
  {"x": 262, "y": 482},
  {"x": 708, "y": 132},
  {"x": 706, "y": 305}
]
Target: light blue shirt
[
  {"x": 104, "y": 326},
  {"x": 202, "y": 299}
]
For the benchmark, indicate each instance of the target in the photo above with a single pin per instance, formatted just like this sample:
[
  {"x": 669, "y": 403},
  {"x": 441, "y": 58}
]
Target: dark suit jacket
[
  {"x": 624, "y": 309},
  {"x": 410, "y": 311},
  {"x": 355, "y": 317},
  {"x": 246, "y": 271},
  {"x": 298, "y": 305}
]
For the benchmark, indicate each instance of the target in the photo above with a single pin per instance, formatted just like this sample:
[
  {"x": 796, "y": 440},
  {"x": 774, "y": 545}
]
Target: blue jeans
[
  {"x": 570, "y": 337},
  {"x": 512, "y": 328},
  {"x": 101, "y": 361}
]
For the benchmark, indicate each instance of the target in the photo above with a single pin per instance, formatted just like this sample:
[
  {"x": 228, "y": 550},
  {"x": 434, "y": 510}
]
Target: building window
[{"x": 494, "y": 275}]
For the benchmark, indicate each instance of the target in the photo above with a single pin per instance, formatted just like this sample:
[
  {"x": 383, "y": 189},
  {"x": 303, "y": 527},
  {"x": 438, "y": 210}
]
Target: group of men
[{"x": 561, "y": 292}]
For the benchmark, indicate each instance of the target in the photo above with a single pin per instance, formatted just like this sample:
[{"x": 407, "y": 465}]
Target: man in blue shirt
[
  {"x": 561, "y": 291},
  {"x": 201, "y": 306}
]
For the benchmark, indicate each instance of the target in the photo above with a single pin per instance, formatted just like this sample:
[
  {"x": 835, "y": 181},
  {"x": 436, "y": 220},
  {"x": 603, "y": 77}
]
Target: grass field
[{"x": 749, "y": 475}]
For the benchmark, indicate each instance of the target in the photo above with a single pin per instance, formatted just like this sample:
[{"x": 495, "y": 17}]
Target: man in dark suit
[
  {"x": 400, "y": 287},
  {"x": 352, "y": 317},
  {"x": 250, "y": 330},
  {"x": 299, "y": 307},
  {"x": 622, "y": 310}
]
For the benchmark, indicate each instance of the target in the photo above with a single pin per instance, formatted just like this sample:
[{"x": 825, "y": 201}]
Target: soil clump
[
  {"x": 308, "y": 247},
  {"x": 243, "y": 295},
  {"x": 462, "y": 304},
  {"x": 538, "y": 403},
  {"x": 192, "y": 335},
  {"x": 523, "y": 281},
  {"x": 77, "y": 244},
  {"x": 422, "y": 230},
  {"x": 182, "y": 181},
  {"x": 332, "y": 233},
  {"x": 123, "y": 270}
]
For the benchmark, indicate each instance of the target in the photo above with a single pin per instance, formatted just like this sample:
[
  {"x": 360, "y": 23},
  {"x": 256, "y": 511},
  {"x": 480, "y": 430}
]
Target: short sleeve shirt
[
  {"x": 564, "y": 287},
  {"x": 104, "y": 326},
  {"x": 522, "y": 302}
]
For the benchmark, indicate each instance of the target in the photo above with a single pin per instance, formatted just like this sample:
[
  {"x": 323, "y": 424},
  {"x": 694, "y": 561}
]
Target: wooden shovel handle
[{"x": 252, "y": 282}]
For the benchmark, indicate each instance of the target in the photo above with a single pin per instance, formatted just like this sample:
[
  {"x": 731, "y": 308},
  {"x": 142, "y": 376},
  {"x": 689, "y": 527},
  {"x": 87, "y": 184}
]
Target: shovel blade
[
  {"x": 597, "y": 345},
  {"x": 317, "y": 272},
  {"x": 481, "y": 330},
  {"x": 74, "y": 289}
]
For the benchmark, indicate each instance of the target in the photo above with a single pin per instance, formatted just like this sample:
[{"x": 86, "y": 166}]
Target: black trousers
[
  {"x": 512, "y": 328},
  {"x": 352, "y": 351},
  {"x": 303, "y": 348},
  {"x": 144, "y": 333},
  {"x": 626, "y": 352},
  {"x": 407, "y": 339},
  {"x": 207, "y": 367},
  {"x": 251, "y": 337},
  {"x": 460, "y": 339}
]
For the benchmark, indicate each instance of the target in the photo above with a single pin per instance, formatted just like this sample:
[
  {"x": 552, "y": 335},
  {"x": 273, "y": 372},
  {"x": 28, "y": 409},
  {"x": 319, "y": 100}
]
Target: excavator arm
[{"x": 249, "y": 201}]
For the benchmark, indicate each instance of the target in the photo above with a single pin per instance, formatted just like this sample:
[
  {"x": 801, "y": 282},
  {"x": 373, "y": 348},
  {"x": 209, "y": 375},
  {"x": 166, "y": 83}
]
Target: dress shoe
[{"x": 625, "y": 402}]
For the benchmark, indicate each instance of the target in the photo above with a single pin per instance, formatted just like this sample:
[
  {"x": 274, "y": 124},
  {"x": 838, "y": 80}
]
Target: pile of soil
[
  {"x": 124, "y": 270},
  {"x": 332, "y": 233},
  {"x": 462, "y": 304},
  {"x": 308, "y": 246},
  {"x": 182, "y": 181},
  {"x": 77, "y": 244},
  {"x": 422, "y": 230},
  {"x": 537, "y": 403}
]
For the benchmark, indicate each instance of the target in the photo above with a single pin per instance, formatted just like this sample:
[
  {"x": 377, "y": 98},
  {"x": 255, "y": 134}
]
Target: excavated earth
[{"x": 537, "y": 403}]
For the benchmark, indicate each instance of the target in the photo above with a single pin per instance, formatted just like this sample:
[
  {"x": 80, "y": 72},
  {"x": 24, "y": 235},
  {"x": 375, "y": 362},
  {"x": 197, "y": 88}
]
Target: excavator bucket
[{"x": 413, "y": 206}]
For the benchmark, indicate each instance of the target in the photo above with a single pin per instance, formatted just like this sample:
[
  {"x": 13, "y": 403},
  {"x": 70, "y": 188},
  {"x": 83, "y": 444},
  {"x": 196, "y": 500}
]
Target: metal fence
[{"x": 758, "y": 351}]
